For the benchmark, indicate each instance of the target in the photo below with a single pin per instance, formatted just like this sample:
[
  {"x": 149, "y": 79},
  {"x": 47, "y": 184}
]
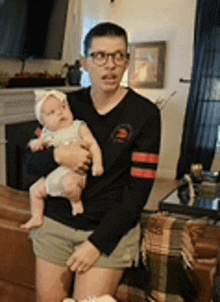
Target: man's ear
[
  {"x": 127, "y": 65},
  {"x": 84, "y": 63}
]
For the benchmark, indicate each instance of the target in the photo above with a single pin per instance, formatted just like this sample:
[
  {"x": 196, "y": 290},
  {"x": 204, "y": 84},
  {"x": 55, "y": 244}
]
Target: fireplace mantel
[{"x": 16, "y": 106}]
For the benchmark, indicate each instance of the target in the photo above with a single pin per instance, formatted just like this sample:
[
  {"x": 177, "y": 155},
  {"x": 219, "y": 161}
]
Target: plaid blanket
[
  {"x": 162, "y": 247},
  {"x": 200, "y": 246},
  {"x": 166, "y": 279}
]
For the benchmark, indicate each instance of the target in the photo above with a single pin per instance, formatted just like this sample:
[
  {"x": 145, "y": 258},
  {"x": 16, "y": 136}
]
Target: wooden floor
[{"x": 161, "y": 189}]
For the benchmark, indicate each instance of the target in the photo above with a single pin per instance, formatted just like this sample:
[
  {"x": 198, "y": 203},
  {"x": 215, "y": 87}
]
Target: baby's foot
[
  {"x": 97, "y": 170},
  {"x": 77, "y": 208},
  {"x": 34, "y": 222}
]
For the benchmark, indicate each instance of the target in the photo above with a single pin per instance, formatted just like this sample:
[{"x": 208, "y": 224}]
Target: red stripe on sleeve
[
  {"x": 144, "y": 157},
  {"x": 143, "y": 173}
]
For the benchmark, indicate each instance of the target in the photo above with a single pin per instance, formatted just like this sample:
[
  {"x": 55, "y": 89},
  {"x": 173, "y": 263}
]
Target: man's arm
[
  {"x": 75, "y": 156},
  {"x": 125, "y": 215},
  {"x": 39, "y": 163}
]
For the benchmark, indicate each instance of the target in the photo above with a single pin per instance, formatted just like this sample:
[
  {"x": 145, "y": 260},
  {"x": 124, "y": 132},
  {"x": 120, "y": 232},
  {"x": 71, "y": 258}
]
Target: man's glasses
[{"x": 100, "y": 58}]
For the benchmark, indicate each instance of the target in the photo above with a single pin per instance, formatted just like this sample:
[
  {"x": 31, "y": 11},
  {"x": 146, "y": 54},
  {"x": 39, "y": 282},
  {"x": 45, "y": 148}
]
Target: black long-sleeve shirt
[{"x": 129, "y": 136}]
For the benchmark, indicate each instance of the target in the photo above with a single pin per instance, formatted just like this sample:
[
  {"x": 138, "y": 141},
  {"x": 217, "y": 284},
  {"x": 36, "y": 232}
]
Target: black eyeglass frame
[{"x": 106, "y": 57}]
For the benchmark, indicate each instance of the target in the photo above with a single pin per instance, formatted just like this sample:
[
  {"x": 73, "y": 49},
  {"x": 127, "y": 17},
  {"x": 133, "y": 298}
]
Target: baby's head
[{"x": 52, "y": 109}]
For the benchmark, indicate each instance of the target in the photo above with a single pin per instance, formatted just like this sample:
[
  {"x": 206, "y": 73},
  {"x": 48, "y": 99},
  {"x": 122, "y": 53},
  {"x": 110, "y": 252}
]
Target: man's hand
[
  {"x": 84, "y": 258},
  {"x": 75, "y": 156}
]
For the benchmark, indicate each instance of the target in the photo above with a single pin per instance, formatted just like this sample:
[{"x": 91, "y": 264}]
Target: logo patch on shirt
[
  {"x": 122, "y": 133},
  {"x": 38, "y": 132}
]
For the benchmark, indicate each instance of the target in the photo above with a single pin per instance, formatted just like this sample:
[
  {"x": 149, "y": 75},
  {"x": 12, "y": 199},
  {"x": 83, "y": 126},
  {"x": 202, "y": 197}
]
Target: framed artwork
[{"x": 147, "y": 64}]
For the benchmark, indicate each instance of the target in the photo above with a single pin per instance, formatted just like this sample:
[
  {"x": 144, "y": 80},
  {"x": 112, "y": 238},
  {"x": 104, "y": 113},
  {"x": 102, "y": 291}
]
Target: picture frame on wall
[{"x": 147, "y": 64}]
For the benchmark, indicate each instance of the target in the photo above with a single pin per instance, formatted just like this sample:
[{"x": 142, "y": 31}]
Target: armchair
[{"x": 17, "y": 263}]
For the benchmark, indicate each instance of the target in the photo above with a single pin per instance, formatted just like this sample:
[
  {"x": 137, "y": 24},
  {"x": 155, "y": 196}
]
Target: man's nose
[{"x": 110, "y": 62}]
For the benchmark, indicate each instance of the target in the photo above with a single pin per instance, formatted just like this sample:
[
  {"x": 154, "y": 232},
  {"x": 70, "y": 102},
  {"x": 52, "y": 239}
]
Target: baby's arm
[
  {"x": 40, "y": 143},
  {"x": 97, "y": 162}
]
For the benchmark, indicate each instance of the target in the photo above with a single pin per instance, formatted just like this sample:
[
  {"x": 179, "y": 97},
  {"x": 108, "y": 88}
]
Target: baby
[{"x": 60, "y": 128}]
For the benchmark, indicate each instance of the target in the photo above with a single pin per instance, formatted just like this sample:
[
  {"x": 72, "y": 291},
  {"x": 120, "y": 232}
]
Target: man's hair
[{"x": 106, "y": 29}]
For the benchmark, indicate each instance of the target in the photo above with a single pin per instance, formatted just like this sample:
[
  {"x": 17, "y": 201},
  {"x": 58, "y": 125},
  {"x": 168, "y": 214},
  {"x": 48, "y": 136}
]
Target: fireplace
[{"x": 17, "y": 137}]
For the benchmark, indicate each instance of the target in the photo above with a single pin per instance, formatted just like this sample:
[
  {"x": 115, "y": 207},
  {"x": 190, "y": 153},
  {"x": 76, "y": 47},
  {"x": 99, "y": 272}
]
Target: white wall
[
  {"x": 92, "y": 12},
  {"x": 172, "y": 21}
]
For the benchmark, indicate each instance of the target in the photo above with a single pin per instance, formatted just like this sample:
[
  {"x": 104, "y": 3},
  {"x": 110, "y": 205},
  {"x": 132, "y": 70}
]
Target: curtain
[{"x": 202, "y": 116}]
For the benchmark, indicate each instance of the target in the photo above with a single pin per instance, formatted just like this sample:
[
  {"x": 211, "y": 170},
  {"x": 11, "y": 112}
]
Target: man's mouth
[{"x": 109, "y": 77}]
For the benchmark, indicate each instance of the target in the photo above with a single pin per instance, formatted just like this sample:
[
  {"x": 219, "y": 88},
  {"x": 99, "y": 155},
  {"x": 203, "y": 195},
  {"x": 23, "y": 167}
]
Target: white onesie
[{"x": 61, "y": 137}]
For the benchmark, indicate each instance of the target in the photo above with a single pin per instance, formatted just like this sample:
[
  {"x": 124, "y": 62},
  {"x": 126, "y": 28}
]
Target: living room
[
  {"x": 171, "y": 21},
  {"x": 146, "y": 21}
]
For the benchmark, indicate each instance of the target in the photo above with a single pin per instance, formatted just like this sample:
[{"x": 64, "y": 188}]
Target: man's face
[{"x": 106, "y": 78}]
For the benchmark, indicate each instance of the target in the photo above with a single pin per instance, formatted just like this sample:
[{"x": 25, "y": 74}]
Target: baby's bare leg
[
  {"x": 72, "y": 186},
  {"x": 37, "y": 195}
]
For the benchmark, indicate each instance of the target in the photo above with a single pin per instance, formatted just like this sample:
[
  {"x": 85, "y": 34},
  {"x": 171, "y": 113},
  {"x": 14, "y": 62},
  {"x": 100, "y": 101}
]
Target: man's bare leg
[
  {"x": 53, "y": 282},
  {"x": 97, "y": 282}
]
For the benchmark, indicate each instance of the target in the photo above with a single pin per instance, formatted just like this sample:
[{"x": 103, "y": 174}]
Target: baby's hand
[
  {"x": 36, "y": 145},
  {"x": 97, "y": 169}
]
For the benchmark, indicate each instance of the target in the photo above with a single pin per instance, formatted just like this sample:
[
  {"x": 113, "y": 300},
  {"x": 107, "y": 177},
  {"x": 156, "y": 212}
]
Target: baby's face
[{"x": 55, "y": 114}]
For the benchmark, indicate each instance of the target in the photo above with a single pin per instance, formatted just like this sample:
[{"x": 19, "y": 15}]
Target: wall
[
  {"x": 71, "y": 49},
  {"x": 172, "y": 21},
  {"x": 92, "y": 12}
]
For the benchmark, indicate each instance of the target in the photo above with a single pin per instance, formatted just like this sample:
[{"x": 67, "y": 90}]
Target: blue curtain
[{"x": 203, "y": 109}]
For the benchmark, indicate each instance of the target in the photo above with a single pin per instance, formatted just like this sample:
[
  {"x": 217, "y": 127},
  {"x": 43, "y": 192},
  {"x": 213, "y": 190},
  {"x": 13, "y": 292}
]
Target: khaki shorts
[{"x": 55, "y": 243}]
